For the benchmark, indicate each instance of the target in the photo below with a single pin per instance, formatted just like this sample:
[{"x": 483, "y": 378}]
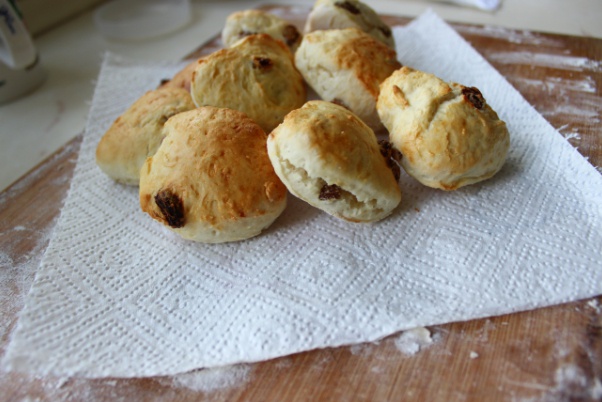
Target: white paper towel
[{"x": 118, "y": 295}]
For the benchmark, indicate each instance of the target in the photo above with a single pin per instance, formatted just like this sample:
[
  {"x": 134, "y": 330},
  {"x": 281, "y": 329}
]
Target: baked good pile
[{"x": 216, "y": 149}]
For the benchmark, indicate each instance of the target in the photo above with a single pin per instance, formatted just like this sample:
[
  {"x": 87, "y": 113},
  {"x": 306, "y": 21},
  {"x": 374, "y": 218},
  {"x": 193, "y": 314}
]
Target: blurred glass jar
[
  {"x": 141, "y": 19},
  {"x": 20, "y": 69}
]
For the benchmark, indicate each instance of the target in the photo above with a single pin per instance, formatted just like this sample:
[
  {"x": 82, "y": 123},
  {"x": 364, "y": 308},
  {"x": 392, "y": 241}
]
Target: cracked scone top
[
  {"x": 211, "y": 179},
  {"x": 347, "y": 66},
  {"x": 447, "y": 133},
  {"x": 250, "y": 22},
  {"x": 257, "y": 76},
  {"x": 138, "y": 132},
  {"x": 339, "y": 14},
  {"x": 328, "y": 157}
]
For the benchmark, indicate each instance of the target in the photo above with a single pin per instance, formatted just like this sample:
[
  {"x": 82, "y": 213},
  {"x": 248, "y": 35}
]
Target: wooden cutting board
[{"x": 550, "y": 354}]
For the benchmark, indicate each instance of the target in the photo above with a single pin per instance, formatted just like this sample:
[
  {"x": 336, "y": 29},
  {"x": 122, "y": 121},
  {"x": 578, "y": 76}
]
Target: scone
[
  {"x": 338, "y": 14},
  {"x": 182, "y": 78},
  {"x": 211, "y": 179},
  {"x": 447, "y": 133},
  {"x": 251, "y": 22},
  {"x": 137, "y": 133},
  {"x": 256, "y": 76},
  {"x": 328, "y": 157},
  {"x": 347, "y": 66}
]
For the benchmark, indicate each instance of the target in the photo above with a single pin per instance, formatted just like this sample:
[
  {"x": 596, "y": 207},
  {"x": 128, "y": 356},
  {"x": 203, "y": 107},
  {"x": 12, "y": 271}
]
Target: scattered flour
[
  {"x": 596, "y": 390},
  {"x": 284, "y": 363},
  {"x": 412, "y": 341},
  {"x": 569, "y": 375},
  {"x": 511, "y": 35},
  {"x": 16, "y": 276},
  {"x": 17, "y": 273},
  {"x": 593, "y": 303},
  {"x": 574, "y": 134},
  {"x": 377, "y": 369},
  {"x": 570, "y": 383},
  {"x": 473, "y": 355},
  {"x": 483, "y": 333},
  {"x": 362, "y": 348},
  {"x": 321, "y": 362},
  {"x": 210, "y": 380},
  {"x": 357, "y": 349},
  {"x": 582, "y": 111},
  {"x": 559, "y": 61},
  {"x": 560, "y": 85}
]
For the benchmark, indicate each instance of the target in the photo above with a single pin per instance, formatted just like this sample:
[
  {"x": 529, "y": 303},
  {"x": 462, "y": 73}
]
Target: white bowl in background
[{"x": 141, "y": 19}]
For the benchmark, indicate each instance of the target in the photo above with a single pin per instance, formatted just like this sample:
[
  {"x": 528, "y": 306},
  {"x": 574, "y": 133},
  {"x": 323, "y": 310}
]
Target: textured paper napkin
[{"x": 119, "y": 295}]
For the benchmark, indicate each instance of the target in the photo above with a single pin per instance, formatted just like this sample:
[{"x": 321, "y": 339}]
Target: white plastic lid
[{"x": 141, "y": 19}]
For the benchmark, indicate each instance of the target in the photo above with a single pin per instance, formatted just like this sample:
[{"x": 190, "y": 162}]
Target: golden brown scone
[
  {"x": 256, "y": 76},
  {"x": 328, "y": 157},
  {"x": 339, "y": 14},
  {"x": 211, "y": 179},
  {"x": 346, "y": 66},
  {"x": 251, "y": 22},
  {"x": 137, "y": 133},
  {"x": 182, "y": 78},
  {"x": 447, "y": 133}
]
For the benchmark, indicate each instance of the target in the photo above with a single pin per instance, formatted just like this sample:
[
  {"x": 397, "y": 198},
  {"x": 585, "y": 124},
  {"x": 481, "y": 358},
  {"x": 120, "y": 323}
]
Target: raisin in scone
[
  {"x": 338, "y": 14},
  {"x": 251, "y": 22},
  {"x": 211, "y": 179},
  {"x": 328, "y": 157},
  {"x": 347, "y": 66},
  {"x": 137, "y": 133},
  {"x": 447, "y": 133},
  {"x": 256, "y": 76}
]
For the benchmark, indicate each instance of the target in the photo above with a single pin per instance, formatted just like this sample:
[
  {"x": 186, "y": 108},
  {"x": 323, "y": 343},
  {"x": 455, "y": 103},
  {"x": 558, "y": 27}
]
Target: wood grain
[{"x": 550, "y": 354}]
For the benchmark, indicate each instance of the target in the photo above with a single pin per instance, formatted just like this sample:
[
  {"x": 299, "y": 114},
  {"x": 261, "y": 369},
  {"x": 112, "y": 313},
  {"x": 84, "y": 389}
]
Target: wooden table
[{"x": 550, "y": 354}]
